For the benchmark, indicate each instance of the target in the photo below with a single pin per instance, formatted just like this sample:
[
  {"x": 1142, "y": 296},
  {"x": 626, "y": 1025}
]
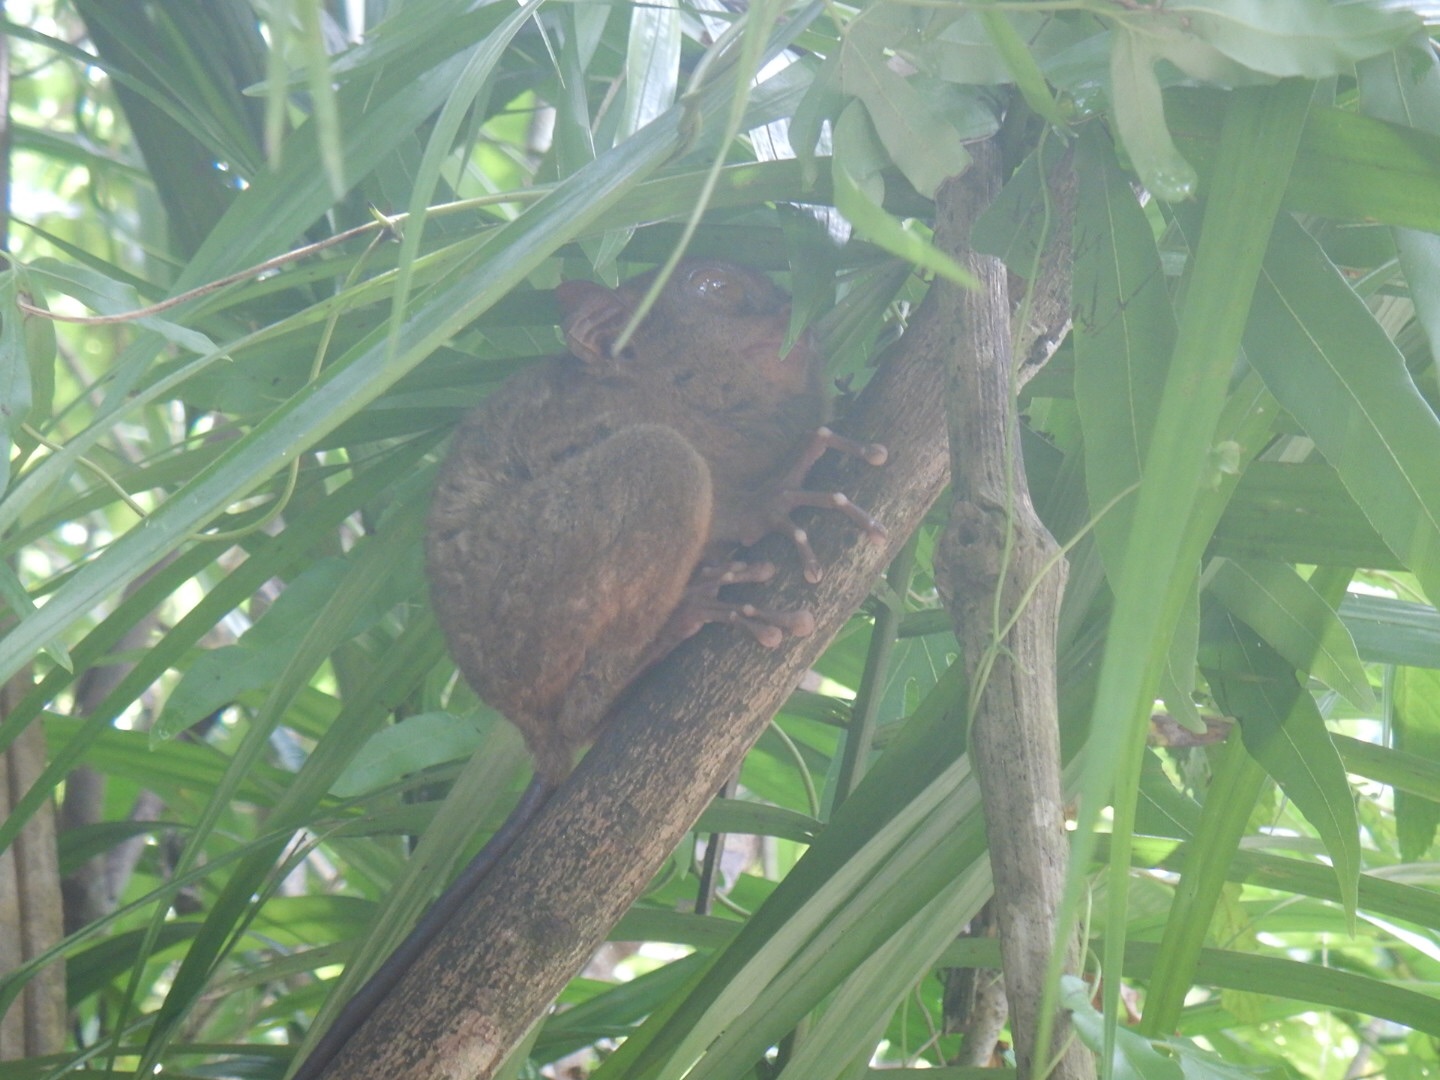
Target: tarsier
[{"x": 588, "y": 514}]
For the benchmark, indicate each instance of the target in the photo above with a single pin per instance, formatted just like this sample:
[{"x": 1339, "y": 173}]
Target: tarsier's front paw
[
  {"x": 701, "y": 604},
  {"x": 788, "y": 496}
]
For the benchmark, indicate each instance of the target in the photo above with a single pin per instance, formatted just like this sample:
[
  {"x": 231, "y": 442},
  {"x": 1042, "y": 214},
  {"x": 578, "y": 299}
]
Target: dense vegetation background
[{"x": 227, "y": 701}]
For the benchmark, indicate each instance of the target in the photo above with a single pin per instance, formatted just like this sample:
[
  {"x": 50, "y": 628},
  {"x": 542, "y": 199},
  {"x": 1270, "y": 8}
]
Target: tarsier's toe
[
  {"x": 744, "y": 573},
  {"x": 771, "y": 627}
]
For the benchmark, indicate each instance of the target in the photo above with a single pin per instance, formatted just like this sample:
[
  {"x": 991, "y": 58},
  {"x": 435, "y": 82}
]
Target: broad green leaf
[
  {"x": 620, "y": 1006},
  {"x": 1417, "y": 731},
  {"x": 857, "y": 1011},
  {"x": 1404, "y": 88},
  {"x": 1303, "y": 982},
  {"x": 106, "y": 296},
  {"x": 1294, "y": 620},
  {"x": 1177, "y": 681},
  {"x": 1285, "y": 733},
  {"x": 823, "y": 100},
  {"x": 1403, "y": 771},
  {"x": 1333, "y": 369},
  {"x": 1348, "y": 167},
  {"x": 1015, "y": 226},
  {"x": 923, "y": 145},
  {"x": 1389, "y": 631},
  {"x": 411, "y": 746},
  {"x": 1124, "y": 333},
  {"x": 1139, "y": 114},
  {"x": 964, "y": 49},
  {"x": 1310, "y": 38},
  {"x": 1299, "y": 513},
  {"x": 1164, "y": 810}
]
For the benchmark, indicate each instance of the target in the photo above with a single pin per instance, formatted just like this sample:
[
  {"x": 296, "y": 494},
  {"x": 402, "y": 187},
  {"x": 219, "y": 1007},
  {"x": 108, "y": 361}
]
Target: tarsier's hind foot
[
  {"x": 701, "y": 604},
  {"x": 788, "y": 494}
]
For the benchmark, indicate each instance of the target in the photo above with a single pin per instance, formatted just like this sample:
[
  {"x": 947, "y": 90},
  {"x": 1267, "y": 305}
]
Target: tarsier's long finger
[
  {"x": 719, "y": 575},
  {"x": 873, "y": 453},
  {"x": 809, "y": 562},
  {"x": 824, "y": 439},
  {"x": 768, "y": 626},
  {"x": 836, "y": 500}
]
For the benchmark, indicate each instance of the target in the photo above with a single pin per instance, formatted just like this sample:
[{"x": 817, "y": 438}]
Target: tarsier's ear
[{"x": 594, "y": 317}]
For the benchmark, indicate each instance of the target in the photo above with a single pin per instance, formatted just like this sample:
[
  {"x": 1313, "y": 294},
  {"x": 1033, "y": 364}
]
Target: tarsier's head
[{"x": 708, "y": 313}]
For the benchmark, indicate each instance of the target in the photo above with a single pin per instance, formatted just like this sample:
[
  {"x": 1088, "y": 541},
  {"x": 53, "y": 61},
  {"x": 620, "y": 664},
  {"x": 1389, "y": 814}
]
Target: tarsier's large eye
[{"x": 719, "y": 287}]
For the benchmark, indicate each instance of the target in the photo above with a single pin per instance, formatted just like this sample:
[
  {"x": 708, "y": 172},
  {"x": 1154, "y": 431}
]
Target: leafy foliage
[{"x": 216, "y": 490}]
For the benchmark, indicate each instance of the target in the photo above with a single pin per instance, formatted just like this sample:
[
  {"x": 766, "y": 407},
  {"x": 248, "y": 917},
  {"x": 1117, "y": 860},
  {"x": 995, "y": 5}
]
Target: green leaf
[
  {"x": 1134, "y": 1056},
  {"x": 325, "y": 113},
  {"x": 1015, "y": 225},
  {"x": 1285, "y": 733},
  {"x": 1347, "y": 167},
  {"x": 1303, "y": 982},
  {"x": 888, "y": 234},
  {"x": 411, "y": 746},
  {"x": 1139, "y": 114},
  {"x": 1332, "y": 368},
  {"x": 107, "y": 296},
  {"x": 1404, "y": 87},
  {"x": 652, "y": 64},
  {"x": 922, "y": 143},
  {"x": 1417, "y": 731},
  {"x": 1260, "y": 134},
  {"x": 1229, "y": 801},
  {"x": 1021, "y": 65},
  {"x": 219, "y": 676},
  {"x": 27, "y": 362},
  {"x": 1389, "y": 631},
  {"x": 1295, "y": 621},
  {"x": 1124, "y": 333},
  {"x": 1309, "y": 38},
  {"x": 1177, "y": 681},
  {"x": 858, "y": 153},
  {"x": 1299, "y": 513}
]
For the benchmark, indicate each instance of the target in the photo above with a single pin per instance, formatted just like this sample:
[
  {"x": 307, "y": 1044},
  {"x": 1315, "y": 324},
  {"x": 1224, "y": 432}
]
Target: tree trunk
[{"x": 30, "y": 919}]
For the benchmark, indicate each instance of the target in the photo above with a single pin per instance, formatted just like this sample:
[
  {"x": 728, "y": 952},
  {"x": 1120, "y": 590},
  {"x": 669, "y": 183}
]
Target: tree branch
[{"x": 995, "y": 544}]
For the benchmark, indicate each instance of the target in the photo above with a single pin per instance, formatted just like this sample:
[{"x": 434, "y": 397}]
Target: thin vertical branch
[{"x": 995, "y": 552}]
